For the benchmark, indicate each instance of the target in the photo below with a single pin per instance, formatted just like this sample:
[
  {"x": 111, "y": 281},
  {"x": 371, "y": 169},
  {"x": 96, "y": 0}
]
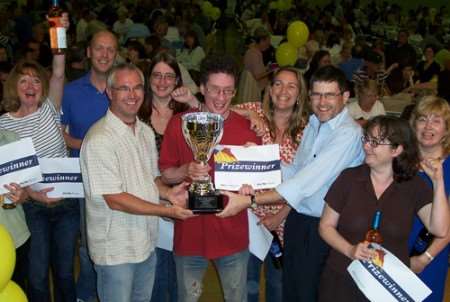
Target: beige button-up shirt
[{"x": 115, "y": 160}]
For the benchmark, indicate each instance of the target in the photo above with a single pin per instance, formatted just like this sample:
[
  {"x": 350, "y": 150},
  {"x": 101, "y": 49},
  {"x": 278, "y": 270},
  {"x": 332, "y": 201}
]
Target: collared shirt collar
[
  {"x": 116, "y": 124},
  {"x": 333, "y": 123}
]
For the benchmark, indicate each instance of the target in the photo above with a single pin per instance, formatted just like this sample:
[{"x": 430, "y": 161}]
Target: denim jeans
[
  {"x": 54, "y": 232},
  {"x": 232, "y": 271},
  {"x": 165, "y": 287},
  {"x": 128, "y": 282},
  {"x": 272, "y": 275},
  {"x": 87, "y": 280}
]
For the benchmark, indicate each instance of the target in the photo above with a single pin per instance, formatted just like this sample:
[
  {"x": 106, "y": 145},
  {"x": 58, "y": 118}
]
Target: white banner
[
  {"x": 258, "y": 166},
  {"x": 62, "y": 174},
  {"x": 19, "y": 164},
  {"x": 387, "y": 279}
]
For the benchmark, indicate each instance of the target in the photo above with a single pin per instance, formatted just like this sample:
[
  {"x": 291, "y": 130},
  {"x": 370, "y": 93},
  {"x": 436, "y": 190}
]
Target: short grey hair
[{"x": 111, "y": 80}]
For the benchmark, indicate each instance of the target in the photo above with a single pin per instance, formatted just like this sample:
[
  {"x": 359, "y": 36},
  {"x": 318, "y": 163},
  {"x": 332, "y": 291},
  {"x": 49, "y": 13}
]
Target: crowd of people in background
[{"x": 115, "y": 99}]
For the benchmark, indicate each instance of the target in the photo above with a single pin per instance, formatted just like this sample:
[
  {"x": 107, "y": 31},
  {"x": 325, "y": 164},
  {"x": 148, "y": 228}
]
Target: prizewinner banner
[
  {"x": 386, "y": 279},
  {"x": 19, "y": 164},
  {"x": 62, "y": 174},
  {"x": 258, "y": 166}
]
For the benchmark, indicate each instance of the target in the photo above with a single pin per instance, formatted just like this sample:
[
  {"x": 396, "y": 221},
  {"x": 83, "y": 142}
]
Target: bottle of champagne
[
  {"x": 373, "y": 234},
  {"x": 422, "y": 243},
  {"x": 7, "y": 203},
  {"x": 276, "y": 251},
  {"x": 58, "y": 41}
]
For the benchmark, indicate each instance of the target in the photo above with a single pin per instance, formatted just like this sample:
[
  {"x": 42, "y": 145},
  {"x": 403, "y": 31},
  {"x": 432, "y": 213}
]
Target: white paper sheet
[
  {"x": 165, "y": 234},
  {"x": 393, "y": 281},
  {"x": 19, "y": 164},
  {"x": 260, "y": 237},
  {"x": 64, "y": 175},
  {"x": 258, "y": 166}
]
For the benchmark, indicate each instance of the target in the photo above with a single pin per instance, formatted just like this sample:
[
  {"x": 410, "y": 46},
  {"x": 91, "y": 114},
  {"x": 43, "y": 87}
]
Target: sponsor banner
[
  {"x": 19, "y": 164},
  {"x": 258, "y": 166},
  {"x": 386, "y": 279},
  {"x": 63, "y": 175}
]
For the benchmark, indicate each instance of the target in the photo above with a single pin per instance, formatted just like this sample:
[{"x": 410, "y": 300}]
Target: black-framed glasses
[
  {"x": 374, "y": 142},
  {"x": 329, "y": 96},
  {"x": 126, "y": 89}
]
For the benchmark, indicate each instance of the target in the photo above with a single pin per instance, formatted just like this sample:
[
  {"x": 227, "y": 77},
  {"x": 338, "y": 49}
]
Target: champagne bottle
[
  {"x": 7, "y": 203},
  {"x": 422, "y": 242},
  {"x": 373, "y": 234},
  {"x": 57, "y": 31},
  {"x": 276, "y": 251}
]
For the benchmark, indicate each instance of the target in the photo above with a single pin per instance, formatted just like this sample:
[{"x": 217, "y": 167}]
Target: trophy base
[{"x": 205, "y": 204}]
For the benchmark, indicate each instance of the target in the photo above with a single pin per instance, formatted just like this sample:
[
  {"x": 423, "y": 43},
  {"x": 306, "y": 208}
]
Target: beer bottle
[
  {"x": 422, "y": 242},
  {"x": 7, "y": 203},
  {"x": 58, "y": 41},
  {"x": 373, "y": 234},
  {"x": 276, "y": 251}
]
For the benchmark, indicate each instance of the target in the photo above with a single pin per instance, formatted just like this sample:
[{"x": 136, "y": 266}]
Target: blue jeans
[
  {"x": 54, "y": 232},
  {"x": 232, "y": 271},
  {"x": 86, "y": 283},
  {"x": 273, "y": 278},
  {"x": 128, "y": 282},
  {"x": 165, "y": 287}
]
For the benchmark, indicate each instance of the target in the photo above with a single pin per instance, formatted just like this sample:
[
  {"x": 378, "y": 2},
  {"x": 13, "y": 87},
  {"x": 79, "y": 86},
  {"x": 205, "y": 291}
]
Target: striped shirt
[{"x": 44, "y": 128}]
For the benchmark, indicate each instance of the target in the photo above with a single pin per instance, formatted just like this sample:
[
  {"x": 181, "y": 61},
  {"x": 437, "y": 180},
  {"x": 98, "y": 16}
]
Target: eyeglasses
[
  {"x": 373, "y": 142},
  {"x": 329, "y": 96},
  {"x": 166, "y": 76},
  {"x": 125, "y": 89},
  {"x": 215, "y": 91}
]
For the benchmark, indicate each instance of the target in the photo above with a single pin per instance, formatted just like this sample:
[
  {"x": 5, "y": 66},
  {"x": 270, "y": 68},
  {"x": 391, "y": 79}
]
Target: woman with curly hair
[{"x": 387, "y": 182}]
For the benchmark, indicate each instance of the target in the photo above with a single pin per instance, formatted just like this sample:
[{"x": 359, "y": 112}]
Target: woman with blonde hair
[
  {"x": 33, "y": 100},
  {"x": 283, "y": 114},
  {"x": 431, "y": 123}
]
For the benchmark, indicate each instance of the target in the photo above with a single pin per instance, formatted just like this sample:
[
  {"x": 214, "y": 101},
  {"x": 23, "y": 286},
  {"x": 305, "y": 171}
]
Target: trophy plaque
[{"x": 202, "y": 132}]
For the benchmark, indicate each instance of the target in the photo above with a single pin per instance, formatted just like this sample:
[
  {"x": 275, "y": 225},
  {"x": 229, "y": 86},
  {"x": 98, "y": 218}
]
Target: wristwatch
[{"x": 253, "y": 204}]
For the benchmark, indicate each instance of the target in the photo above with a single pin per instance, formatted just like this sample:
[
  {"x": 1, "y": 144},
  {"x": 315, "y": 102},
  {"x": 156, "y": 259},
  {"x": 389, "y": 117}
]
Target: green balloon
[
  {"x": 297, "y": 33},
  {"x": 286, "y": 54},
  {"x": 12, "y": 293},
  {"x": 7, "y": 256}
]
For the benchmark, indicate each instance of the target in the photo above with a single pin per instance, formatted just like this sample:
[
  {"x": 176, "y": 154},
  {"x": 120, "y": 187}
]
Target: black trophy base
[{"x": 205, "y": 204}]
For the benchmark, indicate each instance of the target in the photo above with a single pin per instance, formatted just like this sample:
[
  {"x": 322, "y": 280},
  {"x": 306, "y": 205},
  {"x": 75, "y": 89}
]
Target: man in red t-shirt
[{"x": 206, "y": 236}]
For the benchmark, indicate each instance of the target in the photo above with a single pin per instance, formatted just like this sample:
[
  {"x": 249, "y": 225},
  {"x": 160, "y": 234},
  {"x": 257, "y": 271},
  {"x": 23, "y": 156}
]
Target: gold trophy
[{"x": 202, "y": 132}]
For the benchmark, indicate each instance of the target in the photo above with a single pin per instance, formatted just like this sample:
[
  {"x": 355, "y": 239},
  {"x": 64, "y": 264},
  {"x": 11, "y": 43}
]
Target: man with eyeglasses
[
  {"x": 208, "y": 237},
  {"x": 331, "y": 142},
  {"x": 123, "y": 189},
  {"x": 85, "y": 102}
]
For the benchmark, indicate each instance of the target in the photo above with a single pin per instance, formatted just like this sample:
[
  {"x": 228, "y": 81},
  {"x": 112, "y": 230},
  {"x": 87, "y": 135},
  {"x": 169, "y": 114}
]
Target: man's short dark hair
[
  {"x": 329, "y": 74},
  {"x": 218, "y": 64}
]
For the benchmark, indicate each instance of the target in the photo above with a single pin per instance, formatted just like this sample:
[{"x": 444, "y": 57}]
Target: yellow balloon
[
  {"x": 206, "y": 6},
  {"x": 215, "y": 13},
  {"x": 297, "y": 33},
  {"x": 286, "y": 54},
  {"x": 7, "y": 257},
  {"x": 12, "y": 293}
]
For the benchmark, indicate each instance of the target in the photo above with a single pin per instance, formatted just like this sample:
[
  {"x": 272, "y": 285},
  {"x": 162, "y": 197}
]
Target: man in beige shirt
[{"x": 122, "y": 188}]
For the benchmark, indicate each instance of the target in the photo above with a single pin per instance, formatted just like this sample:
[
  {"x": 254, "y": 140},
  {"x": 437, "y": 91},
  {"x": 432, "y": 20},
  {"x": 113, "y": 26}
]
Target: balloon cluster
[
  {"x": 210, "y": 11},
  {"x": 297, "y": 36},
  {"x": 9, "y": 290},
  {"x": 281, "y": 5}
]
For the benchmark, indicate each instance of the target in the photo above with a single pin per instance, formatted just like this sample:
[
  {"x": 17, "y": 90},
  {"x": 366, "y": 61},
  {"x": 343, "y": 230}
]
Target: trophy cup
[{"x": 202, "y": 132}]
